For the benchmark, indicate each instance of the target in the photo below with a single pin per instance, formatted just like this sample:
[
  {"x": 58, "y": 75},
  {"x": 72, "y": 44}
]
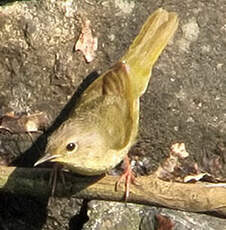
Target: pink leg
[
  {"x": 128, "y": 176},
  {"x": 53, "y": 177}
]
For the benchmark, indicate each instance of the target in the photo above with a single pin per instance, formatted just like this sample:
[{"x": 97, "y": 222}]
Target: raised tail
[{"x": 147, "y": 46}]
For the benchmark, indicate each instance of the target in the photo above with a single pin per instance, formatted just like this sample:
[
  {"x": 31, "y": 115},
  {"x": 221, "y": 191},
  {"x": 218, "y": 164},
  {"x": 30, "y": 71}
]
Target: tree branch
[{"x": 198, "y": 197}]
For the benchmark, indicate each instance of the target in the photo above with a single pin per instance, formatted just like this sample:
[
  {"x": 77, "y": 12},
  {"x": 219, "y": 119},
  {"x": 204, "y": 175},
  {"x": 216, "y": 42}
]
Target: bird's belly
[{"x": 99, "y": 166}]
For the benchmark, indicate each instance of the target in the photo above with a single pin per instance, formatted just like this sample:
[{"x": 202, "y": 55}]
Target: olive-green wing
[{"x": 111, "y": 100}]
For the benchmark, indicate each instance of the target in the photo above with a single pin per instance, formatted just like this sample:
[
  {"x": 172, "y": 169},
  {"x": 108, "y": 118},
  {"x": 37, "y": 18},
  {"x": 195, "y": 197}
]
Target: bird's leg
[
  {"x": 127, "y": 175},
  {"x": 53, "y": 177}
]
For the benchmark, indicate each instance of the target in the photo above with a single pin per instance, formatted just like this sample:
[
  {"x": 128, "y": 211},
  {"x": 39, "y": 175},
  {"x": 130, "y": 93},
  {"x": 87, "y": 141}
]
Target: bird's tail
[{"x": 147, "y": 46}]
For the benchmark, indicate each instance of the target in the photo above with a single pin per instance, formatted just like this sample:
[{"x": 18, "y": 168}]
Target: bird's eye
[{"x": 71, "y": 146}]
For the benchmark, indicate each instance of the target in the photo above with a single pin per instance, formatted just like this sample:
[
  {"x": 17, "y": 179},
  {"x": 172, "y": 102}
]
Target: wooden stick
[{"x": 197, "y": 197}]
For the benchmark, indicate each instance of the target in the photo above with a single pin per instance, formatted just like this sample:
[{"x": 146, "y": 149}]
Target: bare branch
[{"x": 197, "y": 197}]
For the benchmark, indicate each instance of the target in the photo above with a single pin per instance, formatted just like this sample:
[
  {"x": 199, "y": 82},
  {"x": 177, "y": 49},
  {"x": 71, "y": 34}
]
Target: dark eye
[{"x": 71, "y": 146}]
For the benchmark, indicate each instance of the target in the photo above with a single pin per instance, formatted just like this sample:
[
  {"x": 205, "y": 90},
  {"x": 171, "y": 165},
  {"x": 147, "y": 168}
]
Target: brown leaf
[
  {"x": 164, "y": 223},
  {"x": 205, "y": 177},
  {"x": 23, "y": 123},
  {"x": 172, "y": 166},
  {"x": 176, "y": 169},
  {"x": 86, "y": 43}
]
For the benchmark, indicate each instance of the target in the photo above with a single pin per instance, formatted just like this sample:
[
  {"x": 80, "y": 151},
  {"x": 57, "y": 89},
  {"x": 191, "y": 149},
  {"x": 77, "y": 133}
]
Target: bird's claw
[{"x": 127, "y": 176}]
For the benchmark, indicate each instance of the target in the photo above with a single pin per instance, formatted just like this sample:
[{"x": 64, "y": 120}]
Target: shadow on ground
[{"x": 34, "y": 211}]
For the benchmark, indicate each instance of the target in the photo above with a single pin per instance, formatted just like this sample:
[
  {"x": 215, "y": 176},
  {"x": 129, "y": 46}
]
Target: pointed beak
[{"x": 46, "y": 158}]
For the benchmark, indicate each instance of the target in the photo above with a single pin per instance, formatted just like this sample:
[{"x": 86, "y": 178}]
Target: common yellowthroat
[{"x": 104, "y": 124}]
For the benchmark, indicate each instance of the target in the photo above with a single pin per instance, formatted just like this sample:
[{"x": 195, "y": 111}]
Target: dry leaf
[
  {"x": 197, "y": 177},
  {"x": 86, "y": 43},
  {"x": 171, "y": 167},
  {"x": 179, "y": 150},
  {"x": 164, "y": 223},
  {"x": 175, "y": 169},
  {"x": 23, "y": 123},
  {"x": 204, "y": 177}
]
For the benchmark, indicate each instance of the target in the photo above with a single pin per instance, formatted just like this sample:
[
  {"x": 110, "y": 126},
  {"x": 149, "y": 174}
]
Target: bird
[{"x": 104, "y": 124}]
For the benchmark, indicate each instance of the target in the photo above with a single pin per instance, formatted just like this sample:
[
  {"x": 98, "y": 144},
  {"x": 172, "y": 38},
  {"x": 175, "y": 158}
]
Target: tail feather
[{"x": 147, "y": 46}]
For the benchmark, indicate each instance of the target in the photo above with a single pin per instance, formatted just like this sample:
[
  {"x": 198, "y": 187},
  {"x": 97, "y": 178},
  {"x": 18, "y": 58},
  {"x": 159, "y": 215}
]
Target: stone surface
[
  {"x": 112, "y": 215},
  {"x": 117, "y": 216},
  {"x": 185, "y": 100}
]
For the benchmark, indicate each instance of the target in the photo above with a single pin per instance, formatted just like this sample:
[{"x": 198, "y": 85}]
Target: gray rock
[{"x": 116, "y": 216}]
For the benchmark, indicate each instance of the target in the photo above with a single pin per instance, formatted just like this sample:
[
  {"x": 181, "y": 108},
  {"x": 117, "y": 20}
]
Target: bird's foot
[{"x": 127, "y": 176}]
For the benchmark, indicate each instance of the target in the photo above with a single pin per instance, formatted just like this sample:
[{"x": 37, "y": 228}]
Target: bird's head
[{"x": 78, "y": 147}]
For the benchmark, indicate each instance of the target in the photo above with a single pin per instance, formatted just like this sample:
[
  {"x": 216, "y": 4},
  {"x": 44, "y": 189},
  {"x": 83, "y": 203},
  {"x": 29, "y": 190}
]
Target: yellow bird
[{"x": 104, "y": 124}]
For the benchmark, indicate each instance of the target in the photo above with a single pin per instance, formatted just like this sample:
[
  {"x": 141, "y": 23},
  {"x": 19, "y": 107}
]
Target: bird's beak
[{"x": 47, "y": 157}]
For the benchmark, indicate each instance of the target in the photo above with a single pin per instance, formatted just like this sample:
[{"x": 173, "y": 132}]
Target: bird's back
[
  {"x": 115, "y": 94},
  {"x": 111, "y": 105}
]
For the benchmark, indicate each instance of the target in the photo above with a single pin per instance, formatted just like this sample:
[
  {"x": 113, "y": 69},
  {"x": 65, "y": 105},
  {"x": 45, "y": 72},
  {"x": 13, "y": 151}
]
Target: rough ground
[{"x": 185, "y": 100}]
